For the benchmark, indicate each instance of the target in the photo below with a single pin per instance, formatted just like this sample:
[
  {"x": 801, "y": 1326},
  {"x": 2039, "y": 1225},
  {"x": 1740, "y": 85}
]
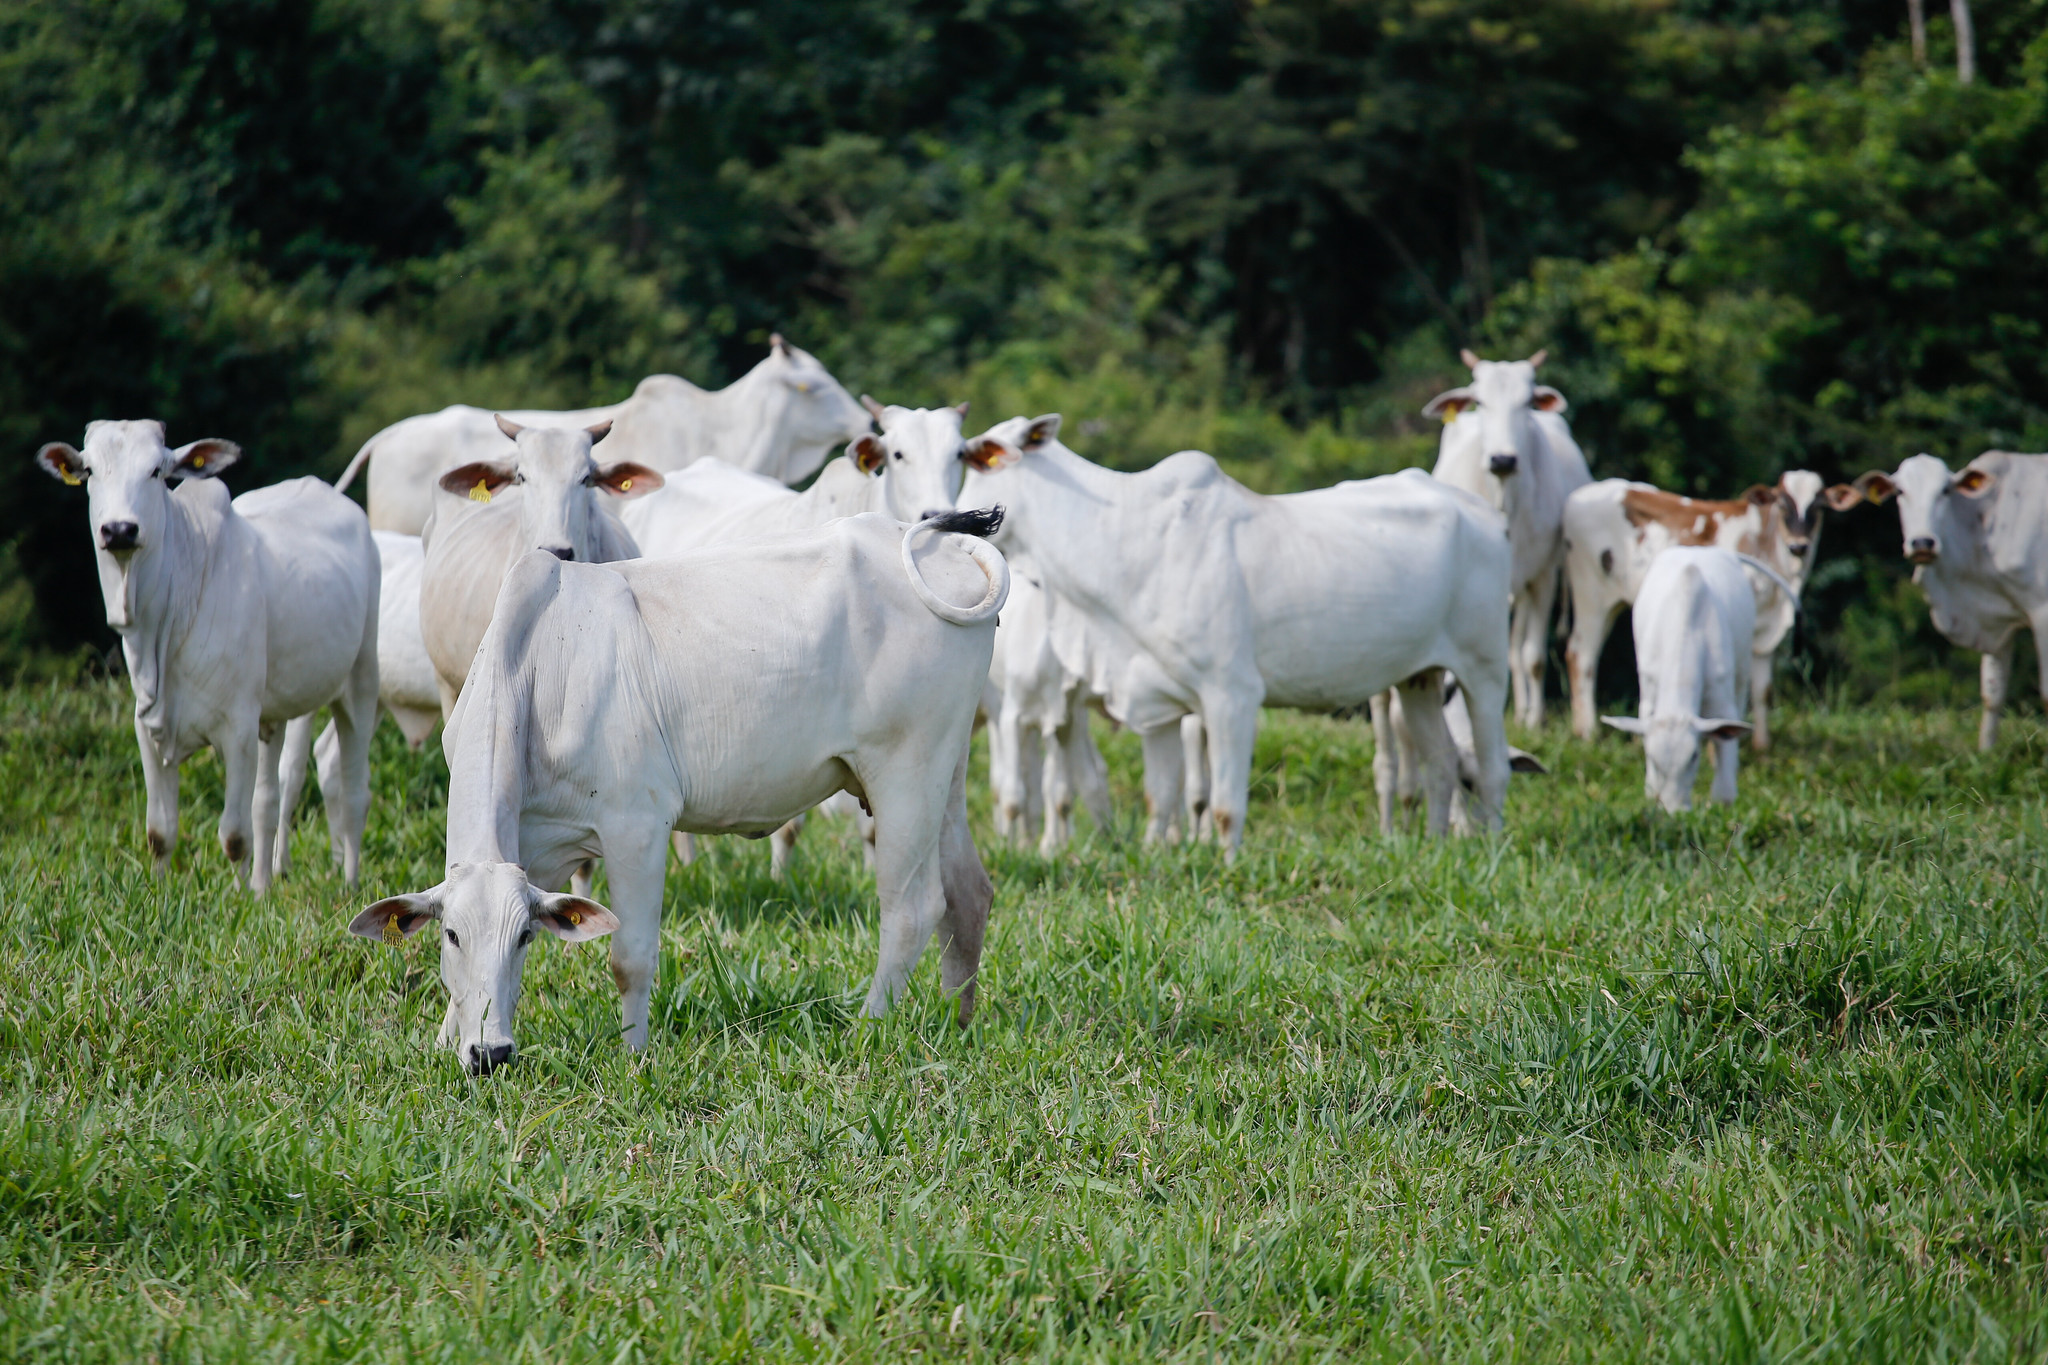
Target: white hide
[
  {"x": 237, "y": 620},
  {"x": 1978, "y": 541},
  {"x": 739, "y": 686},
  {"x": 1202, "y": 597},
  {"x": 1505, "y": 441},
  {"x": 544, "y": 491},
  {"x": 1396, "y": 765},
  {"x": 1042, "y": 755},
  {"x": 781, "y": 419},
  {"x": 1609, "y": 547},
  {"x": 1694, "y": 618}
]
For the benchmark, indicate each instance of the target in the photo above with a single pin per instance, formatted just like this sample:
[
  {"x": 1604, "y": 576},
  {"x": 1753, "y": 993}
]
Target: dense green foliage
[
  {"x": 1764, "y": 1083},
  {"x": 1752, "y": 234}
]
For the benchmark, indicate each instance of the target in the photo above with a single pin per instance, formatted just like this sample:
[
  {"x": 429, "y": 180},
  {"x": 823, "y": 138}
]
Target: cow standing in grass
[
  {"x": 1978, "y": 542},
  {"x": 238, "y": 619}
]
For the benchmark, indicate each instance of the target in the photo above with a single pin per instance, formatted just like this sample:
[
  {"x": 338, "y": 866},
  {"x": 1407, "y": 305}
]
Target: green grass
[{"x": 1764, "y": 1083}]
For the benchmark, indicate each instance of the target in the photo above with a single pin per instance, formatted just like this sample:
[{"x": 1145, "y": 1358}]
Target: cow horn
[
  {"x": 1540, "y": 356},
  {"x": 508, "y": 426},
  {"x": 875, "y": 410}
]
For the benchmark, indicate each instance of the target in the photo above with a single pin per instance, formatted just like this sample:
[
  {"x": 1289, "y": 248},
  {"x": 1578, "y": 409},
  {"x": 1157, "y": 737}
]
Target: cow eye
[
  {"x": 448, "y": 937},
  {"x": 897, "y": 454},
  {"x": 526, "y": 936}
]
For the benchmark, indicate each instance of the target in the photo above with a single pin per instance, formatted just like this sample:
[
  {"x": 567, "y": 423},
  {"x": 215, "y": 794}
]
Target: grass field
[{"x": 1760, "y": 1084}]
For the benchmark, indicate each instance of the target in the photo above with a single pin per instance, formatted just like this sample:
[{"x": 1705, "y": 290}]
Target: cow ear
[
  {"x": 627, "y": 480},
  {"x": 203, "y": 458},
  {"x": 599, "y": 430},
  {"x": 1876, "y": 486},
  {"x": 868, "y": 454},
  {"x": 987, "y": 454},
  {"x": 61, "y": 461},
  {"x": 1522, "y": 761},
  {"x": 479, "y": 479},
  {"x": 507, "y": 425},
  {"x": 1973, "y": 483},
  {"x": 1042, "y": 429},
  {"x": 574, "y": 919},
  {"x": 1721, "y": 729},
  {"x": 1449, "y": 403},
  {"x": 1548, "y": 399},
  {"x": 1760, "y": 495},
  {"x": 1841, "y": 497},
  {"x": 397, "y": 918},
  {"x": 1628, "y": 725}
]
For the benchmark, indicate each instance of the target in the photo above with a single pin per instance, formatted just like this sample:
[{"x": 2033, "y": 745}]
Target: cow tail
[
  {"x": 975, "y": 524},
  {"x": 348, "y": 475},
  {"x": 1751, "y": 562}
]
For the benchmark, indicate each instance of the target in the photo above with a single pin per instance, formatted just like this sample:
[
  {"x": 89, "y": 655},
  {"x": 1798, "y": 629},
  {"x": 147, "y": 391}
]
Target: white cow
[
  {"x": 1209, "y": 599},
  {"x": 780, "y": 419},
  {"x": 543, "y": 494},
  {"x": 1505, "y": 440},
  {"x": 1042, "y": 755},
  {"x": 1396, "y": 768},
  {"x": 739, "y": 685},
  {"x": 1613, "y": 529},
  {"x": 1694, "y": 618},
  {"x": 236, "y": 619},
  {"x": 405, "y": 672},
  {"x": 1978, "y": 541}
]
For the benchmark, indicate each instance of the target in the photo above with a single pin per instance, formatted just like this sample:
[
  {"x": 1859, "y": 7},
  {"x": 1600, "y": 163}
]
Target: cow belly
[{"x": 757, "y": 798}]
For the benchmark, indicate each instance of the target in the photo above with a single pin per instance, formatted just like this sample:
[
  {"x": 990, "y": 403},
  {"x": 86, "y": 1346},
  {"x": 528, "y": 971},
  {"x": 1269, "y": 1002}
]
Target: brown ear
[
  {"x": 1548, "y": 399},
  {"x": 628, "y": 480},
  {"x": 508, "y": 426},
  {"x": 396, "y": 918},
  {"x": 204, "y": 458},
  {"x": 875, "y": 410},
  {"x": 1449, "y": 403},
  {"x": 599, "y": 430},
  {"x": 61, "y": 461},
  {"x": 1040, "y": 431},
  {"x": 868, "y": 454},
  {"x": 986, "y": 454},
  {"x": 1876, "y": 485},
  {"x": 479, "y": 480},
  {"x": 1973, "y": 483},
  {"x": 1841, "y": 497},
  {"x": 574, "y": 919},
  {"x": 1759, "y": 495}
]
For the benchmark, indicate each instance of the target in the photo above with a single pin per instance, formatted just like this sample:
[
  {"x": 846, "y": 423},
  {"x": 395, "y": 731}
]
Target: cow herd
[{"x": 637, "y": 631}]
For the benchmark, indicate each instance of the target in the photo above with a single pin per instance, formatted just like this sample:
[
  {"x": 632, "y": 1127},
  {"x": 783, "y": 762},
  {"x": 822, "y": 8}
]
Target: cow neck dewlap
[{"x": 159, "y": 614}]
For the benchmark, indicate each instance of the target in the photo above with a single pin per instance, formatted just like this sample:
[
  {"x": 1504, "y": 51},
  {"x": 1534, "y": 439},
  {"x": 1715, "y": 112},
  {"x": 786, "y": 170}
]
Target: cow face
[
  {"x": 1928, "y": 513},
  {"x": 1501, "y": 397},
  {"x": 490, "y": 915},
  {"x": 559, "y": 480},
  {"x": 1671, "y": 752},
  {"x": 919, "y": 454},
  {"x": 127, "y": 471},
  {"x": 818, "y": 411}
]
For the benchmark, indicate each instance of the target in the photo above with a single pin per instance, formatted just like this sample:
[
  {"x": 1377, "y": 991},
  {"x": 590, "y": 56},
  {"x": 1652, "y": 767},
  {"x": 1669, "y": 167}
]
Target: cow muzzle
[
  {"x": 1923, "y": 550},
  {"x": 565, "y": 553},
  {"x": 119, "y": 537},
  {"x": 1502, "y": 465},
  {"x": 484, "y": 1058},
  {"x": 1798, "y": 548}
]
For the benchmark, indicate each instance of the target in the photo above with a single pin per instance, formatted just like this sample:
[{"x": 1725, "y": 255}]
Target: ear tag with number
[
  {"x": 480, "y": 493},
  {"x": 393, "y": 935}
]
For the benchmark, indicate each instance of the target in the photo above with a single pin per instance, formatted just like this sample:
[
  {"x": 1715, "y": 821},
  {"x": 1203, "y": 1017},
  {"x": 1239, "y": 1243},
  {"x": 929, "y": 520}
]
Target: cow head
[
  {"x": 920, "y": 455},
  {"x": 1501, "y": 397},
  {"x": 816, "y": 410},
  {"x": 1671, "y": 752},
  {"x": 490, "y": 915},
  {"x": 1928, "y": 513},
  {"x": 558, "y": 481},
  {"x": 127, "y": 471}
]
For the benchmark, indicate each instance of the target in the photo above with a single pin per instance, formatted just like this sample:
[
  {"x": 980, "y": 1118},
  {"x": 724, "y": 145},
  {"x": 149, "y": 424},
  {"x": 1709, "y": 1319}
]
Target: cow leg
[
  {"x": 910, "y": 819},
  {"x": 1058, "y": 794},
  {"x": 1385, "y": 765},
  {"x": 1992, "y": 676},
  {"x": 291, "y": 781},
  {"x": 1005, "y": 771},
  {"x": 1530, "y": 630},
  {"x": 1727, "y": 758},
  {"x": 1231, "y": 724},
  {"x": 1592, "y": 622},
  {"x": 1164, "y": 784},
  {"x": 782, "y": 844},
  {"x": 636, "y": 865},
  {"x": 1195, "y": 756},
  {"x": 583, "y": 878},
  {"x": 256, "y": 812},
  {"x": 348, "y": 801},
  {"x": 1422, "y": 711},
  {"x": 1761, "y": 667},
  {"x": 1085, "y": 768},
  {"x": 685, "y": 846},
  {"x": 327, "y": 768},
  {"x": 1486, "y": 703},
  {"x": 160, "y": 805},
  {"x": 969, "y": 895}
]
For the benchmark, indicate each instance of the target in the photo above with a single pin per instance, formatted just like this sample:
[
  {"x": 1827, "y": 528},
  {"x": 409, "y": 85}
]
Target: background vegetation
[{"x": 1751, "y": 232}]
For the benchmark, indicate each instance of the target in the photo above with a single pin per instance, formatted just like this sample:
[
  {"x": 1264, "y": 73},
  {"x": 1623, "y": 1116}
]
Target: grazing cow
[
  {"x": 1614, "y": 529},
  {"x": 1506, "y": 441},
  {"x": 1209, "y": 599},
  {"x": 780, "y": 420},
  {"x": 236, "y": 618},
  {"x": 1396, "y": 770},
  {"x": 739, "y": 685},
  {"x": 1694, "y": 618},
  {"x": 1978, "y": 541},
  {"x": 543, "y": 498}
]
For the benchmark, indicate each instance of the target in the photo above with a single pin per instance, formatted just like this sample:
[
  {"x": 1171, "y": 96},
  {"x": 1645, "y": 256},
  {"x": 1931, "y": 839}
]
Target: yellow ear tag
[
  {"x": 575, "y": 918},
  {"x": 70, "y": 478},
  {"x": 625, "y": 485},
  {"x": 393, "y": 935},
  {"x": 199, "y": 462},
  {"x": 1450, "y": 414},
  {"x": 480, "y": 493}
]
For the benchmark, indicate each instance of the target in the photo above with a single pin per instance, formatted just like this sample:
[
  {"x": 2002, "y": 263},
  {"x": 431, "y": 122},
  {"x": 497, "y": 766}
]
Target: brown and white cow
[{"x": 1614, "y": 528}]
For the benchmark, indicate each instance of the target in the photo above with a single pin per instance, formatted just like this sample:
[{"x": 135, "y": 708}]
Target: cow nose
[
  {"x": 1921, "y": 550},
  {"x": 119, "y": 535},
  {"x": 562, "y": 552},
  {"x": 1798, "y": 549},
  {"x": 1501, "y": 465},
  {"x": 486, "y": 1058}
]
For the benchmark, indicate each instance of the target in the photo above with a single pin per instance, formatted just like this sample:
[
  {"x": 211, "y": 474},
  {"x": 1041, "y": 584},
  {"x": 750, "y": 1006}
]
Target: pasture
[{"x": 1768, "y": 1082}]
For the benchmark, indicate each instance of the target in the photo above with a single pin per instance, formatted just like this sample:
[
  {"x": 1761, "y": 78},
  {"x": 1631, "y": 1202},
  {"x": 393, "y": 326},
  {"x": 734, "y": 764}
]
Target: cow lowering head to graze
[
  {"x": 1978, "y": 542},
  {"x": 719, "y": 692},
  {"x": 1614, "y": 529},
  {"x": 237, "y": 620},
  {"x": 1693, "y": 621},
  {"x": 1505, "y": 440}
]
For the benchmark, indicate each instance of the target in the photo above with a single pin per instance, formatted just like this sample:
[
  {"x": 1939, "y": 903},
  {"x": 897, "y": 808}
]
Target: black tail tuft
[{"x": 983, "y": 522}]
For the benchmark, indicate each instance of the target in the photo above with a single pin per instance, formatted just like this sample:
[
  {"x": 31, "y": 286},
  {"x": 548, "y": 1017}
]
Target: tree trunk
[
  {"x": 1916, "y": 19},
  {"x": 1966, "y": 41},
  {"x": 1478, "y": 267}
]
